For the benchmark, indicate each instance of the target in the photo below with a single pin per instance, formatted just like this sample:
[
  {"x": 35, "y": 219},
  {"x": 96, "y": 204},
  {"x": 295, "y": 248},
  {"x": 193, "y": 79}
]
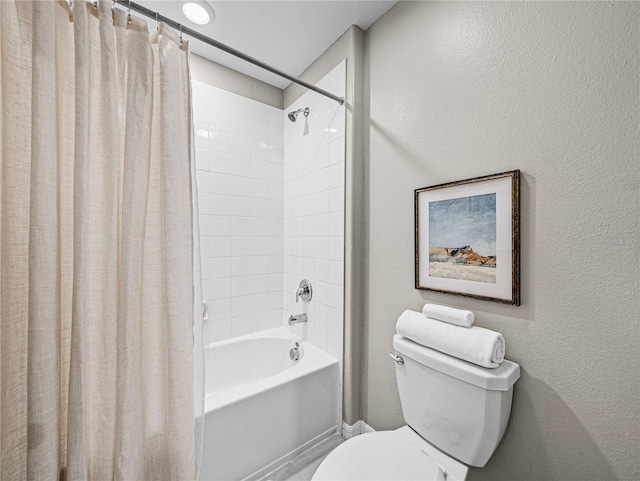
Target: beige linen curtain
[{"x": 96, "y": 246}]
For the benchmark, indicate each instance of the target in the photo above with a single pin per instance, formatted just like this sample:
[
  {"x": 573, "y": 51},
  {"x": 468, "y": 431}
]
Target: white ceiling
[{"x": 288, "y": 35}]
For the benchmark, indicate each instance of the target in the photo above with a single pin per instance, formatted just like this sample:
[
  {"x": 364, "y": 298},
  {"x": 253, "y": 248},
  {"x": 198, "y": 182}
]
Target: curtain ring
[
  {"x": 157, "y": 24},
  {"x": 129, "y": 13},
  {"x": 181, "y": 35}
]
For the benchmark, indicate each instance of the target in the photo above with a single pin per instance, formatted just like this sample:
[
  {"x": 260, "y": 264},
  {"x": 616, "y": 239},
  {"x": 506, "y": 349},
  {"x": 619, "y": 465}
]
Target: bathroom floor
[{"x": 304, "y": 466}]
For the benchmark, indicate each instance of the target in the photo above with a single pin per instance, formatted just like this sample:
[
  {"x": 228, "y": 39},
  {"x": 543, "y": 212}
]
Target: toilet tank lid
[{"x": 499, "y": 379}]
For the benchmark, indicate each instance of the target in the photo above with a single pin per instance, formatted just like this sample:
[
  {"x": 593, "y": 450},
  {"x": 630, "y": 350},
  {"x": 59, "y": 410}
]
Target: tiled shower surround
[
  {"x": 239, "y": 161},
  {"x": 271, "y": 205},
  {"x": 314, "y": 156}
]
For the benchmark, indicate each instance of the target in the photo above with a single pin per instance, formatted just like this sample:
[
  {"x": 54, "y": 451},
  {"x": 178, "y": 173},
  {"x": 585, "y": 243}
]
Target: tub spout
[{"x": 297, "y": 319}]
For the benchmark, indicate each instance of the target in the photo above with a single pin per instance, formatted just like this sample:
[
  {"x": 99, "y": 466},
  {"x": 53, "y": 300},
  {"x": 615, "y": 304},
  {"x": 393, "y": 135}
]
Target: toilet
[{"x": 456, "y": 414}]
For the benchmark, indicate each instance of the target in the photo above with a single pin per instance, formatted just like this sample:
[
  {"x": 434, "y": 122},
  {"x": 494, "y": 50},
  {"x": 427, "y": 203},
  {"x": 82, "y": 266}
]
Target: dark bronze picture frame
[{"x": 458, "y": 285}]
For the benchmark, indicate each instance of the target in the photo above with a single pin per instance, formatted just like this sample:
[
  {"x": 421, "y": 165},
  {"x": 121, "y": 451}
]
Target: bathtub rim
[
  {"x": 273, "y": 333},
  {"x": 314, "y": 359}
]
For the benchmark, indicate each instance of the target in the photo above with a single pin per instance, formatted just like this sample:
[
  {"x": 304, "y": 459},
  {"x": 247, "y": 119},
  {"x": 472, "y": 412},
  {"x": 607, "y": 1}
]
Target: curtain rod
[{"x": 225, "y": 48}]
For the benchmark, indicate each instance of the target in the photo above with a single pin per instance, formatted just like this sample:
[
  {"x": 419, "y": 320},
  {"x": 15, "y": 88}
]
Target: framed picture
[{"x": 468, "y": 237}]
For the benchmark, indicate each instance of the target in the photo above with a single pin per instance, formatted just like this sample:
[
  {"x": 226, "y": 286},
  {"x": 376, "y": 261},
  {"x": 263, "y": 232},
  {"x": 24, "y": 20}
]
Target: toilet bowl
[
  {"x": 388, "y": 456},
  {"x": 456, "y": 414}
]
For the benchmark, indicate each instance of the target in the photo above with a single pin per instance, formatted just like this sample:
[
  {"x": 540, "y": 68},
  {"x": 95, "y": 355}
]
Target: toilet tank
[{"x": 460, "y": 408}]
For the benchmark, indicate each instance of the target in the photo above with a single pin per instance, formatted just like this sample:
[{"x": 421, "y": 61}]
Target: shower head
[{"x": 293, "y": 115}]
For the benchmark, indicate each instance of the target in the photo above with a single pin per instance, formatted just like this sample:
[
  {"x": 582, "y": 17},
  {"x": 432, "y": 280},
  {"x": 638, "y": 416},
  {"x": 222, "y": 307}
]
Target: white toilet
[{"x": 456, "y": 413}]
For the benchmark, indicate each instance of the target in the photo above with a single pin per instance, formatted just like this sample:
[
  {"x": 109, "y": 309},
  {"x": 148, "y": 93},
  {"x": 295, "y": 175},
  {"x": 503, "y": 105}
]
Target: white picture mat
[{"x": 502, "y": 289}]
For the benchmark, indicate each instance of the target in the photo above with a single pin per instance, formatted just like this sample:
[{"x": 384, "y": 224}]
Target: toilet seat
[{"x": 389, "y": 455}]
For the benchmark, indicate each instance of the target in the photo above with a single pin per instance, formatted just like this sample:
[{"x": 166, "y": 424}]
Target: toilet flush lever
[
  {"x": 442, "y": 472},
  {"x": 396, "y": 358}
]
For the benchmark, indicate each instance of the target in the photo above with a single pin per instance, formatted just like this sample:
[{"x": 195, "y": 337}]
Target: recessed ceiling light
[{"x": 198, "y": 12}]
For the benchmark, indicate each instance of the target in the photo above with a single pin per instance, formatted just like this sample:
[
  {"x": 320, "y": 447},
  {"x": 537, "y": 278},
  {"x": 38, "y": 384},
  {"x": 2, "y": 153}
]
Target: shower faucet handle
[{"x": 304, "y": 291}]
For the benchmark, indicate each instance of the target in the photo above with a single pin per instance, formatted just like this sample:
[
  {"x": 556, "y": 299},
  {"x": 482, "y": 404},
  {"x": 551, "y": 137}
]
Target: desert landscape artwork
[
  {"x": 462, "y": 238},
  {"x": 467, "y": 237}
]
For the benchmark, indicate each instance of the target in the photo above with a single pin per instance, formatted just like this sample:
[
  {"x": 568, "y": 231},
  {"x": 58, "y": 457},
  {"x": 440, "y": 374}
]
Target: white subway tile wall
[
  {"x": 239, "y": 162},
  {"x": 271, "y": 201},
  {"x": 314, "y": 173}
]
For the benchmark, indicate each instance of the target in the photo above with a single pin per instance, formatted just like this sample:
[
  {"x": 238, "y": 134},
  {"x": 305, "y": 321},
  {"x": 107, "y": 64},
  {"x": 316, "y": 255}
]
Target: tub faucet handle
[
  {"x": 304, "y": 291},
  {"x": 301, "y": 292}
]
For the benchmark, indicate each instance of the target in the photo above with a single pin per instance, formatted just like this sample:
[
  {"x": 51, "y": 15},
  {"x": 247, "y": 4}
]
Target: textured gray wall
[
  {"x": 213, "y": 73},
  {"x": 459, "y": 90}
]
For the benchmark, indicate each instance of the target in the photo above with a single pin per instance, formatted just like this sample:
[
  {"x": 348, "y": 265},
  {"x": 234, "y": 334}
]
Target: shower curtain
[{"x": 96, "y": 246}]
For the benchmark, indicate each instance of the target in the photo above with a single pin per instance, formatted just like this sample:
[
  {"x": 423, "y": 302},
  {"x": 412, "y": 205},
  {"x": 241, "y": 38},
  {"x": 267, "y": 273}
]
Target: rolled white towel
[
  {"x": 459, "y": 317},
  {"x": 475, "y": 344}
]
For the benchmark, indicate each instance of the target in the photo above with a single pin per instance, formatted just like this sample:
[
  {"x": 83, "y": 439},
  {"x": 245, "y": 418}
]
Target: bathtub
[{"x": 261, "y": 407}]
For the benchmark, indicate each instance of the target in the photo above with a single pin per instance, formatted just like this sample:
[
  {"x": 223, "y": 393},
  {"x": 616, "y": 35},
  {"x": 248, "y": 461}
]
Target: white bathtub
[{"x": 262, "y": 408}]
